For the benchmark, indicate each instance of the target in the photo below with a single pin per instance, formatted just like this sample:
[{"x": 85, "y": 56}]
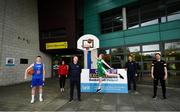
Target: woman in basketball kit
[
  {"x": 102, "y": 71},
  {"x": 38, "y": 77}
]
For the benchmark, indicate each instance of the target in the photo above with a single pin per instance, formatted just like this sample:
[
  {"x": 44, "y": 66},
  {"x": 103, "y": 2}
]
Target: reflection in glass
[
  {"x": 117, "y": 51},
  {"x": 133, "y": 49},
  {"x": 103, "y": 51},
  {"x": 172, "y": 45},
  {"x": 107, "y": 58},
  {"x": 172, "y": 55},
  {"x": 153, "y": 47},
  {"x": 136, "y": 56},
  {"x": 173, "y": 65},
  {"x": 173, "y": 17},
  {"x": 117, "y": 58},
  {"x": 132, "y": 17},
  {"x": 149, "y": 22},
  {"x": 147, "y": 66},
  {"x": 148, "y": 56},
  {"x": 116, "y": 65}
]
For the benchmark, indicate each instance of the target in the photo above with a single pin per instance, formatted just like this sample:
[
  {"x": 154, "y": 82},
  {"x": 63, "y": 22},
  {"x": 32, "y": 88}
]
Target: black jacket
[{"x": 158, "y": 71}]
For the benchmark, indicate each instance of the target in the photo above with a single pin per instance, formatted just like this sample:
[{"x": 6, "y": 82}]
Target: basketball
[
  {"x": 89, "y": 41},
  {"x": 30, "y": 71}
]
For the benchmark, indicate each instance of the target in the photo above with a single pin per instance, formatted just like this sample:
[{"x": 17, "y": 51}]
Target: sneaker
[
  {"x": 98, "y": 90},
  {"x": 136, "y": 92},
  {"x": 32, "y": 101},
  {"x": 70, "y": 100},
  {"x": 121, "y": 76},
  {"x": 79, "y": 99},
  {"x": 164, "y": 97},
  {"x": 62, "y": 89},
  {"x": 40, "y": 99},
  {"x": 154, "y": 97}
]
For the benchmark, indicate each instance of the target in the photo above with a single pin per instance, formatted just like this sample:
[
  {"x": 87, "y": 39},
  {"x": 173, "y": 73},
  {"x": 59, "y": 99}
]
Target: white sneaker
[
  {"x": 40, "y": 99},
  {"x": 62, "y": 89},
  {"x": 136, "y": 92},
  {"x": 32, "y": 101}
]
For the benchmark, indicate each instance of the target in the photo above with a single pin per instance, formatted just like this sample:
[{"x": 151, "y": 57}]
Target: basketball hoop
[{"x": 88, "y": 42}]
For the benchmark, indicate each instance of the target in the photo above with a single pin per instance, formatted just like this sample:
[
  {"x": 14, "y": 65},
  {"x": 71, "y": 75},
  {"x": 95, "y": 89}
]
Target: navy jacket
[
  {"x": 131, "y": 68},
  {"x": 74, "y": 71}
]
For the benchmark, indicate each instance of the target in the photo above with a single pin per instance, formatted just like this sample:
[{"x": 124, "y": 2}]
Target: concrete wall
[{"x": 19, "y": 38}]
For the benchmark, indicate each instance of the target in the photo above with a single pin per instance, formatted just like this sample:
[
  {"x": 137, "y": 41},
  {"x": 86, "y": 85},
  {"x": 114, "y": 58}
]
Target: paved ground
[{"x": 17, "y": 98}]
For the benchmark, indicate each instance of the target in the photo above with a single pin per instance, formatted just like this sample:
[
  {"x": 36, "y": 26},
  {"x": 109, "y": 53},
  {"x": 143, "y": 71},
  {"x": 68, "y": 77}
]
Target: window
[
  {"x": 172, "y": 46},
  {"x": 23, "y": 61},
  {"x": 117, "y": 50},
  {"x": 111, "y": 20},
  {"x": 132, "y": 14},
  {"x": 148, "y": 56},
  {"x": 153, "y": 47},
  {"x": 57, "y": 33},
  {"x": 104, "y": 51},
  {"x": 151, "y": 12},
  {"x": 133, "y": 49},
  {"x": 173, "y": 10}
]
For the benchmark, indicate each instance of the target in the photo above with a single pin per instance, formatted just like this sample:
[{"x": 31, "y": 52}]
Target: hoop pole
[{"x": 89, "y": 59}]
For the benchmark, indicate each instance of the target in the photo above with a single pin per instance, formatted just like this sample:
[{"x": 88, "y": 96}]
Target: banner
[{"x": 89, "y": 81}]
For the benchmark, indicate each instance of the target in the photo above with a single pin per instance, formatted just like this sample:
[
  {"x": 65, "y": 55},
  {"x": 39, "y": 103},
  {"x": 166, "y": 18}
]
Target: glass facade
[
  {"x": 144, "y": 55},
  {"x": 139, "y": 14},
  {"x": 111, "y": 21}
]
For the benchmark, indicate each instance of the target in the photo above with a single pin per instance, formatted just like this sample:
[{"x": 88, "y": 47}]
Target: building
[
  {"x": 60, "y": 26},
  {"x": 19, "y": 40},
  {"x": 137, "y": 27}
]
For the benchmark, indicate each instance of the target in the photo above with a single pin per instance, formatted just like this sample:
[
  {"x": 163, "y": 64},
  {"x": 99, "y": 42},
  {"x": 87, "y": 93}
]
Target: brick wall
[{"x": 19, "y": 38}]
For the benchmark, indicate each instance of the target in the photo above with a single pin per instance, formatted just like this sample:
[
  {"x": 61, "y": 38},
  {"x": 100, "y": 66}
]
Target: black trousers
[
  {"x": 131, "y": 79},
  {"x": 163, "y": 85},
  {"x": 74, "y": 83},
  {"x": 62, "y": 81}
]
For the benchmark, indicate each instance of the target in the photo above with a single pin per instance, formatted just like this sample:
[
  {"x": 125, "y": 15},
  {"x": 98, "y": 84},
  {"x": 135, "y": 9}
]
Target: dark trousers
[
  {"x": 131, "y": 79},
  {"x": 77, "y": 84},
  {"x": 163, "y": 85},
  {"x": 62, "y": 81}
]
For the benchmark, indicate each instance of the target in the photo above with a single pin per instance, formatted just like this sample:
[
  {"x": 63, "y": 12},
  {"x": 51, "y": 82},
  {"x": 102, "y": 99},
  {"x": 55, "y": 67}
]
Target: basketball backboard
[{"x": 88, "y": 41}]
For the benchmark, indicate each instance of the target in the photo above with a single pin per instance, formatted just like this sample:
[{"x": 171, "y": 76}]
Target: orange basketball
[
  {"x": 89, "y": 41},
  {"x": 30, "y": 71}
]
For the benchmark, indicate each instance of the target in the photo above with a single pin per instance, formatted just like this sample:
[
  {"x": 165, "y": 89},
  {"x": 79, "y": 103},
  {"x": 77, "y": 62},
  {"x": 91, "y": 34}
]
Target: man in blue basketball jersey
[{"x": 38, "y": 77}]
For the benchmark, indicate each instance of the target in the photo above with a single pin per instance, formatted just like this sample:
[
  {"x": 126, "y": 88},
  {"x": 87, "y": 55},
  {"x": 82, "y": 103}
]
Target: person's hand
[
  {"x": 59, "y": 76},
  {"x": 66, "y": 76},
  {"x": 165, "y": 77},
  {"x": 43, "y": 79},
  {"x": 136, "y": 74},
  {"x": 25, "y": 77},
  {"x": 152, "y": 76},
  {"x": 111, "y": 68}
]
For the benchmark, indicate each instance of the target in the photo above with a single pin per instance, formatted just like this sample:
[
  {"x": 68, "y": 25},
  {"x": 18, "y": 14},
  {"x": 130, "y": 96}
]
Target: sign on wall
[
  {"x": 89, "y": 81},
  {"x": 57, "y": 45},
  {"x": 10, "y": 61}
]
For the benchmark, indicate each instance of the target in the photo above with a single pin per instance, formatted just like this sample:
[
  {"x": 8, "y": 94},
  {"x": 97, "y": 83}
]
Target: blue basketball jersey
[{"x": 38, "y": 71}]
